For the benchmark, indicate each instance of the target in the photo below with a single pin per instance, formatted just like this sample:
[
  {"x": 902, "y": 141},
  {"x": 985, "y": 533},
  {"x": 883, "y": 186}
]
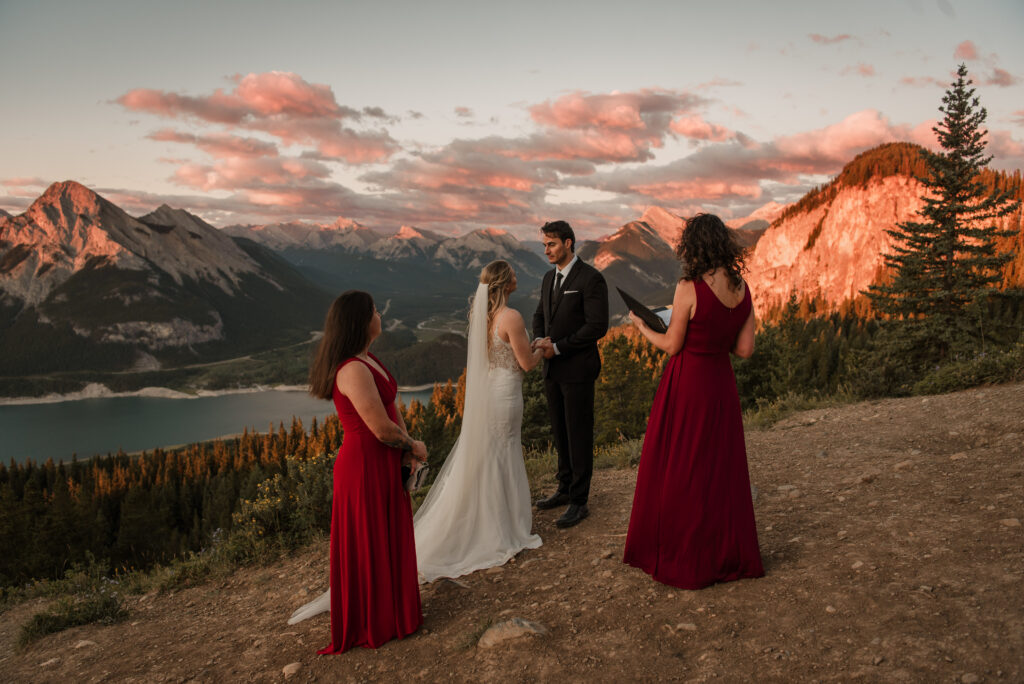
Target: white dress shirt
[{"x": 565, "y": 276}]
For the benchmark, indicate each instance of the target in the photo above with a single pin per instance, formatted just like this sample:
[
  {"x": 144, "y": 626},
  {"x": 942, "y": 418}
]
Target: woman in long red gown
[
  {"x": 693, "y": 517},
  {"x": 375, "y": 593}
]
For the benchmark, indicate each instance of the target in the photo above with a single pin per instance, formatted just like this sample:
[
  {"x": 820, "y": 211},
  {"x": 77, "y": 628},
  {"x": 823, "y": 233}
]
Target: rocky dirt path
[{"x": 891, "y": 534}]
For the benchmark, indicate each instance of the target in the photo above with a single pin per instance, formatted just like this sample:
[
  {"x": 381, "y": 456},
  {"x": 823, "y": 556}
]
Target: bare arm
[
  {"x": 744, "y": 347},
  {"x": 671, "y": 341},
  {"x": 355, "y": 381},
  {"x": 512, "y": 329}
]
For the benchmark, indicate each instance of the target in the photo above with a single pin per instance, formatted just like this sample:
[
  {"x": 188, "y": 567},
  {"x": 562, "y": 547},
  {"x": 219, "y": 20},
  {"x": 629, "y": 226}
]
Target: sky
[{"x": 453, "y": 116}]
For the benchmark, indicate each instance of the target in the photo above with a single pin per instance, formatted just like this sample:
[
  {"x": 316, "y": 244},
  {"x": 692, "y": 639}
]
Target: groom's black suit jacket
[{"x": 575, "y": 322}]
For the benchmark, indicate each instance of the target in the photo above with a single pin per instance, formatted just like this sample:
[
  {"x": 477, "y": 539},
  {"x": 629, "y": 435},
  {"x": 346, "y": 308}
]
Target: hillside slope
[{"x": 891, "y": 537}]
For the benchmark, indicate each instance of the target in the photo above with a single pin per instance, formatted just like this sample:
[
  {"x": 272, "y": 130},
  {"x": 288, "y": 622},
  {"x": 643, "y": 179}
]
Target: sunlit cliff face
[{"x": 834, "y": 250}]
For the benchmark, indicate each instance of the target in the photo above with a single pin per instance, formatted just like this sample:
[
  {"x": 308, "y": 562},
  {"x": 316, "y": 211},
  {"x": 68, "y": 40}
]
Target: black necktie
[{"x": 558, "y": 288}]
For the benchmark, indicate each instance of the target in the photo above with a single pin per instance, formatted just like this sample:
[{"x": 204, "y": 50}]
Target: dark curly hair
[{"x": 706, "y": 244}]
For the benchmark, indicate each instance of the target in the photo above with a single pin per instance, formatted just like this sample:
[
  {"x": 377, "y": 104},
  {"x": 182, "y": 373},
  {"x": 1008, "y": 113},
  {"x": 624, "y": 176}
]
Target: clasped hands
[
  {"x": 418, "y": 453},
  {"x": 545, "y": 345}
]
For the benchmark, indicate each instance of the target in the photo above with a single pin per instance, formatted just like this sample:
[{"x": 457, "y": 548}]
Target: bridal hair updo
[
  {"x": 497, "y": 276},
  {"x": 706, "y": 244},
  {"x": 346, "y": 334}
]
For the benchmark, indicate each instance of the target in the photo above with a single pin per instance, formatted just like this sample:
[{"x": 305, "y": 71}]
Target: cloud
[
  {"x": 966, "y": 50},
  {"x": 464, "y": 112},
  {"x": 738, "y": 172},
  {"x": 1018, "y": 117},
  {"x": 827, "y": 40},
  {"x": 860, "y": 69},
  {"x": 923, "y": 81},
  {"x": 240, "y": 173},
  {"x": 696, "y": 128},
  {"x": 24, "y": 183},
  {"x": 281, "y": 104},
  {"x": 222, "y": 146},
  {"x": 1000, "y": 77}
]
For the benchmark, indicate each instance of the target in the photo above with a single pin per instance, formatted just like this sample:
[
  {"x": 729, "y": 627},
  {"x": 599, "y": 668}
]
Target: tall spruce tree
[{"x": 948, "y": 260}]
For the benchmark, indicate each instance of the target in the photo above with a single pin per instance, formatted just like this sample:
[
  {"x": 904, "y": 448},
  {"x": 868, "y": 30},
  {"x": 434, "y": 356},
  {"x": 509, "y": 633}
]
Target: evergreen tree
[{"x": 947, "y": 261}]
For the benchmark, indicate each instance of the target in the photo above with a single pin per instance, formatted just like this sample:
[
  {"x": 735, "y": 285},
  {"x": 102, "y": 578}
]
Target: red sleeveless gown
[
  {"x": 692, "y": 522},
  {"x": 375, "y": 595}
]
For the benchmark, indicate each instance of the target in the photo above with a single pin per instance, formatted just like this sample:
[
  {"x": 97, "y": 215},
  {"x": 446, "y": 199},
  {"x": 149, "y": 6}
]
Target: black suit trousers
[{"x": 571, "y": 408}]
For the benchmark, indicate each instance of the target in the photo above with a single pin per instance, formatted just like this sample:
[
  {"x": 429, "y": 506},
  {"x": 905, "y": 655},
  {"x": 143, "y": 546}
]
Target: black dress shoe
[
  {"x": 554, "y": 501},
  {"x": 573, "y": 515}
]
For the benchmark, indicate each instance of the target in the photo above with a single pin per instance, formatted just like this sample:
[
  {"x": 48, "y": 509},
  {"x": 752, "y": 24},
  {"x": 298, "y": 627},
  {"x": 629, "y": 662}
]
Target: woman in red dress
[
  {"x": 693, "y": 518},
  {"x": 374, "y": 592}
]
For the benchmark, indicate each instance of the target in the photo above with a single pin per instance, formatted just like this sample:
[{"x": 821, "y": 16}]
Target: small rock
[
  {"x": 449, "y": 580},
  {"x": 868, "y": 477},
  {"x": 841, "y": 534},
  {"x": 686, "y": 627},
  {"x": 786, "y": 487},
  {"x": 958, "y": 456},
  {"x": 970, "y": 678},
  {"x": 291, "y": 669},
  {"x": 85, "y": 642},
  {"x": 512, "y": 629},
  {"x": 903, "y": 465},
  {"x": 51, "y": 661},
  {"x": 495, "y": 570},
  {"x": 1010, "y": 522},
  {"x": 607, "y": 554},
  {"x": 822, "y": 454},
  {"x": 878, "y": 660},
  {"x": 794, "y": 493},
  {"x": 606, "y": 574},
  {"x": 915, "y": 452},
  {"x": 830, "y": 609},
  {"x": 857, "y": 565}
]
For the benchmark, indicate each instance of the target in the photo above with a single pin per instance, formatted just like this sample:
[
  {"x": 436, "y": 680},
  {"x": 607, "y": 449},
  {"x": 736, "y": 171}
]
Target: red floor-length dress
[
  {"x": 375, "y": 594},
  {"x": 693, "y": 518}
]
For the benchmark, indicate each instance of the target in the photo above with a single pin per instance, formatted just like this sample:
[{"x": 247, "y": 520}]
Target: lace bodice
[{"x": 500, "y": 355}]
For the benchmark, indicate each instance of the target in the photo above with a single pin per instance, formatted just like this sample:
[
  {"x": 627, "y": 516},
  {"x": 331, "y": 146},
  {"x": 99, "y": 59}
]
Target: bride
[{"x": 477, "y": 513}]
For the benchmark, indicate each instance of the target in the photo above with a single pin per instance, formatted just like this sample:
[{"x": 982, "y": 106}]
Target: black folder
[{"x": 652, "y": 319}]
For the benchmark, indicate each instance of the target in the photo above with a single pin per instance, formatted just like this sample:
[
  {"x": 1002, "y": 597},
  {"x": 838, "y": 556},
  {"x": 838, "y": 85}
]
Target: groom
[{"x": 571, "y": 317}]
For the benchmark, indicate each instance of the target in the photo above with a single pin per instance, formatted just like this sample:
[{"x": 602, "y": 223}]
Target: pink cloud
[
  {"x": 239, "y": 173},
  {"x": 705, "y": 189},
  {"x": 696, "y": 128},
  {"x": 463, "y": 112},
  {"x": 1001, "y": 77},
  {"x": 24, "y": 183},
  {"x": 278, "y": 92},
  {"x": 221, "y": 146},
  {"x": 966, "y": 50},
  {"x": 821, "y": 150},
  {"x": 281, "y": 104},
  {"x": 860, "y": 69},
  {"x": 827, "y": 40},
  {"x": 919, "y": 81}
]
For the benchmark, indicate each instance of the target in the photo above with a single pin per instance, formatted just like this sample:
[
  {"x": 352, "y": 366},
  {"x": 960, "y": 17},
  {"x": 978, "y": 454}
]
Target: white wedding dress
[{"x": 477, "y": 513}]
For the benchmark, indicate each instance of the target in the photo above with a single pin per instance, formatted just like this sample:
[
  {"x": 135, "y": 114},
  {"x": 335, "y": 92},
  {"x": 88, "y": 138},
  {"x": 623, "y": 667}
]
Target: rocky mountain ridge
[
  {"x": 85, "y": 286},
  {"x": 832, "y": 243}
]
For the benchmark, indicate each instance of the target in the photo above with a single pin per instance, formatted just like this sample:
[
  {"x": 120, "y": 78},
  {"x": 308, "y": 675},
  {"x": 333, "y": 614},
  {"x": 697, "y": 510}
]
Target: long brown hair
[
  {"x": 497, "y": 276},
  {"x": 346, "y": 334},
  {"x": 706, "y": 244}
]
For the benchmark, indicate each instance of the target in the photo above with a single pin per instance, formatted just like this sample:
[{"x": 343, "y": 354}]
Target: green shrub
[{"x": 1000, "y": 366}]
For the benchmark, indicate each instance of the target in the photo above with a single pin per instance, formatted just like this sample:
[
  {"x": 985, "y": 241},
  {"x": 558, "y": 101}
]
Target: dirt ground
[{"x": 890, "y": 531}]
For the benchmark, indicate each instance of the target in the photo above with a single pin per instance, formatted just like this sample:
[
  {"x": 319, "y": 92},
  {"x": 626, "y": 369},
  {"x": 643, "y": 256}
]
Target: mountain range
[{"x": 83, "y": 285}]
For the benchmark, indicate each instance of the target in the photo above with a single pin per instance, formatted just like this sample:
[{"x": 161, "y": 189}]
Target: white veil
[
  {"x": 472, "y": 441},
  {"x": 461, "y": 468}
]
